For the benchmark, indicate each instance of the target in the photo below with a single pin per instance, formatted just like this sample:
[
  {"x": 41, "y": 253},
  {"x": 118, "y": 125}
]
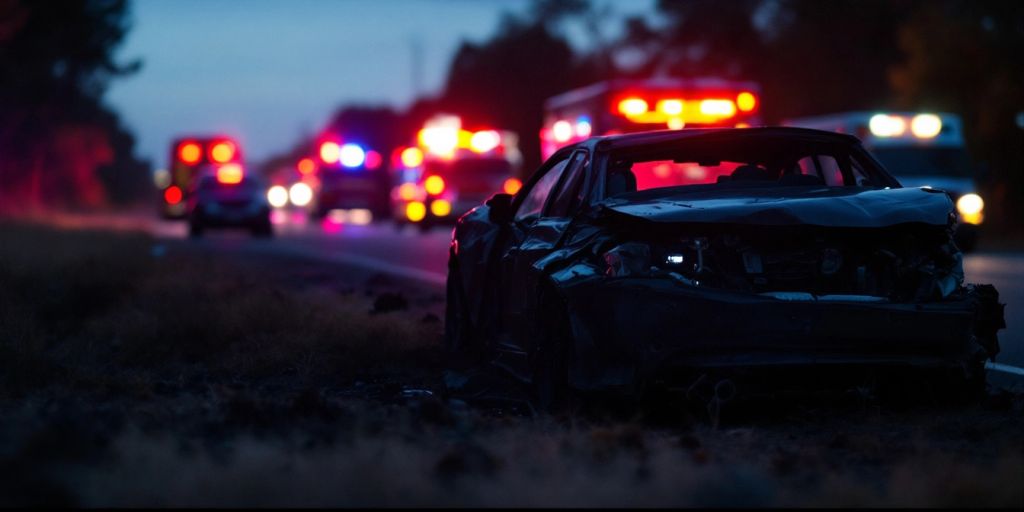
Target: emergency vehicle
[
  {"x": 624, "y": 106},
  {"x": 350, "y": 180},
  {"x": 920, "y": 149},
  {"x": 450, "y": 170},
  {"x": 190, "y": 158}
]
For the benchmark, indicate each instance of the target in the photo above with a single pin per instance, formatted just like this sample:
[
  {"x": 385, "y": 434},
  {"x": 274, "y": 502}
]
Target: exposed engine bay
[{"x": 898, "y": 264}]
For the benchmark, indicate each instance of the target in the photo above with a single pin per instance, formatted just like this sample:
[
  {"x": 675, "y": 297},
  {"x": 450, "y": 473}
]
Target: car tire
[
  {"x": 458, "y": 332},
  {"x": 195, "y": 229},
  {"x": 263, "y": 229},
  {"x": 550, "y": 359}
]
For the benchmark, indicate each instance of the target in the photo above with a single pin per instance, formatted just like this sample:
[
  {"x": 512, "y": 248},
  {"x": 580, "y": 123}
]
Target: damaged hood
[{"x": 787, "y": 206}]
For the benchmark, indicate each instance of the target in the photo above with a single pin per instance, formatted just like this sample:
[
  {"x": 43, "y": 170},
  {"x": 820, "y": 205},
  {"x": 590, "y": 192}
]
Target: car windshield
[
  {"x": 741, "y": 161},
  {"x": 923, "y": 161}
]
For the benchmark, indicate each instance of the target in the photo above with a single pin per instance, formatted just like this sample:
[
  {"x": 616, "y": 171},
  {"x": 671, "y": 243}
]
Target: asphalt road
[{"x": 423, "y": 257}]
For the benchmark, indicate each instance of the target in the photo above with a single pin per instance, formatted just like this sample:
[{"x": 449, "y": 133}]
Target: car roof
[{"x": 660, "y": 137}]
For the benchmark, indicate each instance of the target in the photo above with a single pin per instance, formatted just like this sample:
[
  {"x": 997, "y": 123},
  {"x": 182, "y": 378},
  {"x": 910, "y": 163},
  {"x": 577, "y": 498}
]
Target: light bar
[
  {"x": 351, "y": 155},
  {"x": 330, "y": 152},
  {"x": 562, "y": 131},
  {"x": 884, "y": 125},
  {"x": 190, "y": 153},
  {"x": 926, "y": 126},
  {"x": 484, "y": 141}
]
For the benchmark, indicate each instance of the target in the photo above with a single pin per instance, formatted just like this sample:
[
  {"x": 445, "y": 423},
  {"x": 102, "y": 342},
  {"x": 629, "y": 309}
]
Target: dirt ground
[{"x": 144, "y": 372}]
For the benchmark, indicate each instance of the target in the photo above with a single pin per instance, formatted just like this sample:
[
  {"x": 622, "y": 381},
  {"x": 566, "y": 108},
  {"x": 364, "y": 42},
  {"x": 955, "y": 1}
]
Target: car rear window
[{"x": 800, "y": 163}]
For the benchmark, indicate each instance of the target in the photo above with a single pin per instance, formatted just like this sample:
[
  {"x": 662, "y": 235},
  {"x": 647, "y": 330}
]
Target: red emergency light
[
  {"x": 222, "y": 152},
  {"x": 190, "y": 152},
  {"x": 173, "y": 195}
]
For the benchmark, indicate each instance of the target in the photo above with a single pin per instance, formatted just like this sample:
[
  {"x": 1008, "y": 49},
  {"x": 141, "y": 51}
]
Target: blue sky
[{"x": 267, "y": 71}]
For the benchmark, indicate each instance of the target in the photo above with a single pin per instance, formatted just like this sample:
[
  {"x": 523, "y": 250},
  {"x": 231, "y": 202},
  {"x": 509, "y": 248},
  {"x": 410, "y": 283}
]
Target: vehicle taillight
[
  {"x": 412, "y": 157},
  {"x": 746, "y": 101},
  {"x": 511, "y": 186},
  {"x": 222, "y": 152},
  {"x": 306, "y": 166},
  {"x": 172, "y": 194},
  {"x": 190, "y": 153},
  {"x": 330, "y": 152},
  {"x": 229, "y": 174},
  {"x": 484, "y": 141},
  {"x": 434, "y": 185},
  {"x": 632, "y": 107}
]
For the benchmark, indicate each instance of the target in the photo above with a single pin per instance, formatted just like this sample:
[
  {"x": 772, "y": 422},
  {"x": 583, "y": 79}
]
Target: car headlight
[
  {"x": 300, "y": 194},
  {"x": 970, "y": 207},
  {"x": 277, "y": 196}
]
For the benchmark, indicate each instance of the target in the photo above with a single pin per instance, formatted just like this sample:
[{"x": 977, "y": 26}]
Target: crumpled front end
[{"x": 646, "y": 299}]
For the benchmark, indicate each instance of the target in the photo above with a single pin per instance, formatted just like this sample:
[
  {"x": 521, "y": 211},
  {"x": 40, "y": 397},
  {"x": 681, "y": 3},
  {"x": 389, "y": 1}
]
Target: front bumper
[{"x": 631, "y": 328}]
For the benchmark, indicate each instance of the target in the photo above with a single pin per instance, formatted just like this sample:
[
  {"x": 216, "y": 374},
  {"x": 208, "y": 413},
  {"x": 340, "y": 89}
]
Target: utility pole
[{"x": 416, "y": 54}]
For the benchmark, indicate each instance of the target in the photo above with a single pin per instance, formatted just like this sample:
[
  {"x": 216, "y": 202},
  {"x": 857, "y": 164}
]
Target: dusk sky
[{"x": 267, "y": 71}]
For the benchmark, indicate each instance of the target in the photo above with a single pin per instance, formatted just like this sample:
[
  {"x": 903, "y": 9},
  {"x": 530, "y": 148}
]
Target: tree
[
  {"x": 60, "y": 144},
  {"x": 964, "y": 57},
  {"x": 505, "y": 81}
]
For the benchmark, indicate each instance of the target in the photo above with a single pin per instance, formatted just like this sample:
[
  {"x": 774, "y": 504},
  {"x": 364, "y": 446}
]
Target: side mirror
[{"x": 499, "y": 208}]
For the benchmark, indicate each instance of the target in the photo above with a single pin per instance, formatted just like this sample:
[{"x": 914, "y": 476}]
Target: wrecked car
[{"x": 647, "y": 257}]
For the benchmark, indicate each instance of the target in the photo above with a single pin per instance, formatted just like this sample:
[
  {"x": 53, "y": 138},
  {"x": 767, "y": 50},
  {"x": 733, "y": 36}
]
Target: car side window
[
  {"x": 533, "y": 203},
  {"x": 570, "y": 194}
]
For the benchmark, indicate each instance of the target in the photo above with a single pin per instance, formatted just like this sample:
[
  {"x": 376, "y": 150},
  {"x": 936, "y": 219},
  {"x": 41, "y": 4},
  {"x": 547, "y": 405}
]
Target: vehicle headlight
[
  {"x": 628, "y": 259},
  {"x": 970, "y": 207},
  {"x": 300, "y": 194},
  {"x": 277, "y": 196}
]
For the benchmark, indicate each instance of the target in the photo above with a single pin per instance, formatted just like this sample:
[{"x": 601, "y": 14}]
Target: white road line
[{"x": 1012, "y": 370}]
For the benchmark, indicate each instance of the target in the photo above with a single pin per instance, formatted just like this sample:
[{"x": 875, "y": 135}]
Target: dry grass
[{"x": 176, "y": 377}]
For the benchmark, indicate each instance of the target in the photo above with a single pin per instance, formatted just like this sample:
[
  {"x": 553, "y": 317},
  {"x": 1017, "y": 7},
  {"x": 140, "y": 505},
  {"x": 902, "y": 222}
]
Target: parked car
[
  {"x": 229, "y": 198},
  {"x": 662, "y": 256}
]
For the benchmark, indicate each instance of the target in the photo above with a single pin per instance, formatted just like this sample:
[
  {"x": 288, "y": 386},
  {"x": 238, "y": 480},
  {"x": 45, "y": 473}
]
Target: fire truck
[
  {"x": 623, "y": 106},
  {"x": 450, "y": 170},
  {"x": 191, "y": 158}
]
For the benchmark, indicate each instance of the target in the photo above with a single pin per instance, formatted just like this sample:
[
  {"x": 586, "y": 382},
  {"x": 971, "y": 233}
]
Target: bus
[
  {"x": 623, "y": 106},
  {"x": 921, "y": 149}
]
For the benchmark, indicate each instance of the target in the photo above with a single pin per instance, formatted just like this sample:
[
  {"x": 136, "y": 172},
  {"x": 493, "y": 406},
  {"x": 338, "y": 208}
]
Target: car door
[{"x": 539, "y": 222}]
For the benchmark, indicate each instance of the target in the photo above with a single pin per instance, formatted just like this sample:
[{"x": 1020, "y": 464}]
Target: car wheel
[
  {"x": 263, "y": 229},
  {"x": 195, "y": 229},
  {"x": 550, "y": 358},
  {"x": 457, "y": 329}
]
